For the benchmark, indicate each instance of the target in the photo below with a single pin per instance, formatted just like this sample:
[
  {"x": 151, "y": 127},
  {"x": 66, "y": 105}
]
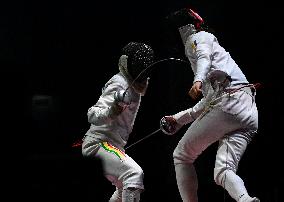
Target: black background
[{"x": 55, "y": 58}]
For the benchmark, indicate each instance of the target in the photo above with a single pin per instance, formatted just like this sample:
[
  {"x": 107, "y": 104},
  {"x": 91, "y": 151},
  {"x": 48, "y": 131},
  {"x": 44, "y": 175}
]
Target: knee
[
  {"x": 133, "y": 178},
  {"x": 182, "y": 155},
  {"x": 219, "y": 176},
  {"x": 138, "y": 172}
]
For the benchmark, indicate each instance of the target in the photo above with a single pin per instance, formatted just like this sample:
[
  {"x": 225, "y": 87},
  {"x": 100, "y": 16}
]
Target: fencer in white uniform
[
  {"x": 226, "y": 113},
  {"x": 112, "y": 119}
]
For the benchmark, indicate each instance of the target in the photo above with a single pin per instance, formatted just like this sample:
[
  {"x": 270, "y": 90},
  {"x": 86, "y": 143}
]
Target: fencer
[
  {"x": 226, "y": 113},
  {"x": 112, "y": 119}
]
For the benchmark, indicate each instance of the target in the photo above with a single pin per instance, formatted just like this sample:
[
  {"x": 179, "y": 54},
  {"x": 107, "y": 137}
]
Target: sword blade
[{"x": 154, "y": 132}]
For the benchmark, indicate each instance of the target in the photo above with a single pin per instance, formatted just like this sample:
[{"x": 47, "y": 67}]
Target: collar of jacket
[{"x": 186, "y": 31}]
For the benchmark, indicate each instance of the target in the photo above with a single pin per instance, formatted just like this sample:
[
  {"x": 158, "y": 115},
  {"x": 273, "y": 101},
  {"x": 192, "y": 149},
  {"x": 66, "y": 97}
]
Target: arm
[
  {"x": 106, "y": 108},
  {"x": 202, "y": 51},
  {"x": 203, "y": 64},
  {"x": 189, "y": 115},
  {"x": 171, "y": 124}
]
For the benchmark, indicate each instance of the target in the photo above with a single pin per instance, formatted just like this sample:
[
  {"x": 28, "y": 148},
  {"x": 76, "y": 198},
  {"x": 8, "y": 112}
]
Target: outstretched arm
[{"x": 171, "y": 124}]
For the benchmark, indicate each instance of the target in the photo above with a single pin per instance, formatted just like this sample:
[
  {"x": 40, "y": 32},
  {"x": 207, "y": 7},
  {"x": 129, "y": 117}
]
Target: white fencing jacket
[
  {"x": 206, "y": 57},
  {"x": 113, "y": 130}
]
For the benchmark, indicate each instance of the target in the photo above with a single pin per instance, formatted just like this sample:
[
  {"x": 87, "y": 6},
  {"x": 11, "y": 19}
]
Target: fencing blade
[{"x": 153, "y": 133}]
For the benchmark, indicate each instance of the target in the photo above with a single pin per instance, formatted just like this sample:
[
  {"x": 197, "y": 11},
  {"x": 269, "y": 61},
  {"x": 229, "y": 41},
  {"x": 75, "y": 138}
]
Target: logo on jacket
[{"x": 193, "y": 45}]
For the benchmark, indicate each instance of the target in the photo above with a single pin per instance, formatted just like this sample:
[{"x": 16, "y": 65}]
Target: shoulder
[
  {"x": 203, "y": 37},
  {"x": 117, "y": 81},
  {"x": 119, "y": 78}
]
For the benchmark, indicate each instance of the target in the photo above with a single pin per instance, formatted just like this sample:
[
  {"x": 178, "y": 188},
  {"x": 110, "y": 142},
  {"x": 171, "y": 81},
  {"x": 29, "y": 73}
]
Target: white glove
[
  {"x": 122, "y": 98},
  {"x": 169, "y": 125}
]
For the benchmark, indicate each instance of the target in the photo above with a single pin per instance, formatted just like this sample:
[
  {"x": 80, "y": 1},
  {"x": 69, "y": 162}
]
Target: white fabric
[
  {"x": 206, "y": 55},
  {"x": 131, "y": 195},
  {"x": 231, "y": 119},
  {"x": 114, "y": 130},
  {"x": 121, "y": 172}
]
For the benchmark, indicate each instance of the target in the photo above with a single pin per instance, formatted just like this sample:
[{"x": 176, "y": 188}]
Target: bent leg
[
  {"x": 119, "y": 168},
  {"x": 197, "y": 138},
  {"x": 230, "y": 151}
]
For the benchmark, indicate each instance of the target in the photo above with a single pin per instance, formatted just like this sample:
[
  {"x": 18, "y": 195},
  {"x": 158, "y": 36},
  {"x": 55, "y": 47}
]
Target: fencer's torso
[
  {"x": 114, "y": 130},
  {"x": 210, "y": 63},
  {"x": 204, "y": 52}
]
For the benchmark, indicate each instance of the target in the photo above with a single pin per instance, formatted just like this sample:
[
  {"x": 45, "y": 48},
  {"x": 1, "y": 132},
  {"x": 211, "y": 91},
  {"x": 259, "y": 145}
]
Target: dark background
[{"x": 55, "y": 57}]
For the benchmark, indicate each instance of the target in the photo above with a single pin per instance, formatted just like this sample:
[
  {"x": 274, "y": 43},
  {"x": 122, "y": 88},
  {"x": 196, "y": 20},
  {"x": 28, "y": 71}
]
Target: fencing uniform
[
  {"x": 110, "y": 130},
  {"x": 227, "y": 113}
]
